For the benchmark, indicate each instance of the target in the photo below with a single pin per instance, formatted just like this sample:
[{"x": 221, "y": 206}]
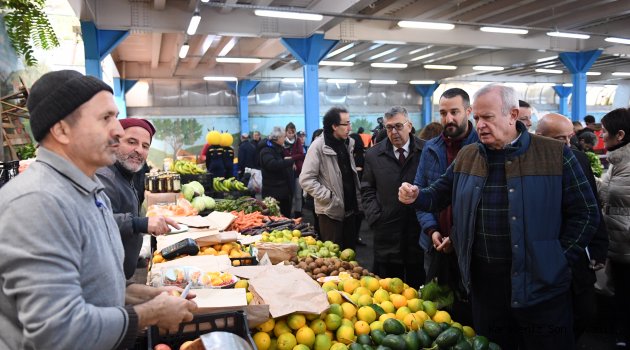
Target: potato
[
  {"x": 334, "y": 273},
  {"x": 317, "y": 271}
]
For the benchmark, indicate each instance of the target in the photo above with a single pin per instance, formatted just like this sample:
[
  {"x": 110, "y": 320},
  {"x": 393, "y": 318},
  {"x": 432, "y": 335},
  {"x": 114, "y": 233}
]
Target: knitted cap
[
  {"x": 141, "y": 123},
  {"x": 57, "y": 94}
]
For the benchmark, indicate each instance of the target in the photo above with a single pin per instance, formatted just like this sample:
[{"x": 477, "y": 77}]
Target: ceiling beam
[
  {"x": 159, "y": 4},
  {"x": 228, "y": 9},
  {"x": 199, "y": 47},
  {"x": 269, "y": 48},
  {"x": 156, "y": 45}
]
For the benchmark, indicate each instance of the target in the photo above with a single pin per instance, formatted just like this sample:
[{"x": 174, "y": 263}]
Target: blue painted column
[
  {"x": 121, "y": 87},
  {"x": 426, "y": 91},
  {"x": 242, "y": 89},
  {"x": 97, "y": 45},
  {"x": 578, "y": 63},
  {"x": 563, "y": 93},
  {"x": 309, "y": 52}
]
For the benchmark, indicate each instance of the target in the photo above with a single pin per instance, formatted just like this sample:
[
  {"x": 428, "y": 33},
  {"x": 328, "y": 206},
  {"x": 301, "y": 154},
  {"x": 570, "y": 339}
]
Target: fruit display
[
  {"x": 217, "y": 279},
  {"x": 186, "y": 167},
  {"x": 220, "y": 184},
  {"x": 280, "y": 224},
  {"x": 182, "y": 208},
  {"x": 232, "y": 249},
  {"x": 323, "y": 267},
  {"x": 370, "y": 313},
  {"x": 268, "y": 206}
]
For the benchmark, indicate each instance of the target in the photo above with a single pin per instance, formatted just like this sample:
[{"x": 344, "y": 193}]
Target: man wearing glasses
[
  {"x": 329, "y": 175},
  {"x": 396, "y": 230}
]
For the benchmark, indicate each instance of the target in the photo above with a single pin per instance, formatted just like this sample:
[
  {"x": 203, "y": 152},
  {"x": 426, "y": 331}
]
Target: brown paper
[
  {"x": 202, "y": 237},
  {"x": 285, "y": 289},
  {"x": 277, "y": 252},
  {"x": 210, "y": 299},
  {"x": 220, "y": 220},
  {"x": 192, "y": 221}
]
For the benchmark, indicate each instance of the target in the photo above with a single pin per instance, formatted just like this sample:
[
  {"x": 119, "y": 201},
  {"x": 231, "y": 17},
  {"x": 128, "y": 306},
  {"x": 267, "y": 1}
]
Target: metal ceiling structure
[{"x": 368, "y": 32}]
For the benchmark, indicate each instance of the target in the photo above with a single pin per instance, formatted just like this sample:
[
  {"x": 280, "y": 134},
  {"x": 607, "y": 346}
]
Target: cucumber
[
  {"x": 449, "y": 337},
  {"x": 394, "y": 342},
  {"x": 393, "y": 326}
]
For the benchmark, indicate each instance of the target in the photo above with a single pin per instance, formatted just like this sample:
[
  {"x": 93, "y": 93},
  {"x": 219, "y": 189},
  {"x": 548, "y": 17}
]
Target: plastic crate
[{"x": 233, "y": 322}]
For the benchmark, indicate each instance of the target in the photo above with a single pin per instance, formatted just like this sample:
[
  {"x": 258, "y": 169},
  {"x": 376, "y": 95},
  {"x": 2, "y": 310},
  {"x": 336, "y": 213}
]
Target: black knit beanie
[{"x": 57, "y": 94}]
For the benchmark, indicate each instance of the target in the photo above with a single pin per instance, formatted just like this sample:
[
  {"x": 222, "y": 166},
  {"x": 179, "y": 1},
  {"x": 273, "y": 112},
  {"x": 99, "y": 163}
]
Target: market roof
[{"x": 369, "y": 31}]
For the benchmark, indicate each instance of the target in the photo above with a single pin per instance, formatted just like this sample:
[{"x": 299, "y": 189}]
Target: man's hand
[
  {"x": 176, "y": 291},
  {"x": 407, "y": 193},
  {"x": 597, "y": 265},
  {"x": 158, "y": 225},
  {"x": 441, "y": 244},
  {"x": 165, "y": 311}
]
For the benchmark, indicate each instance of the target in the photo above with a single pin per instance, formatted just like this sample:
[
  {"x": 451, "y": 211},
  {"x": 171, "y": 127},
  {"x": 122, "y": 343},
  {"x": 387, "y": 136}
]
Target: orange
[
  {"x": 345, "y": 334},
  {"x": 262, "y": 340},
  {"x": 296, "y": 321},
  {"x": 367, "y": 314},
  {"x": 267, "y": 326},
  {"x": 286, "y": 341},
  {"x": 305, "y": 336},
  {"x": 361, "y": 327},
  {"x": 396, "y": 285},
  {"x": 384, "y": 283},
  {"x": 410, "y": 293},
  {"x": 398, "y": 300}
]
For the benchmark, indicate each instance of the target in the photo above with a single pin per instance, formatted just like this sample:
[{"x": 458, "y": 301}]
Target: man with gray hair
[
  {"x": 277, "y": 171},
  {"x": 522, "y": 214},
  {"x": 396, "y": 229}
]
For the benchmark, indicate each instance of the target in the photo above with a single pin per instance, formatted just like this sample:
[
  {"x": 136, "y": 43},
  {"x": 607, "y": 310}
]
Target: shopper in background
[
  {"x": 525, "y": 113},
  {"x": 301, "y": 135},
  {"x": 131, "y": 155},
  {"x": 330, "y": 176},
  {"x": 430, "y": 131},
  {"x": 589, "y": 120},
  {"x": 559, "y": 127},
  {"x": 294, "y": 148},
  {"x": 246, "y": 155},
  {"x": 522, "y": 215},
  {"x": 277, "y": 171},
  {"x": 309, "y": 203},
  {"x": 61, "y": 267},
  {"x": 256, "y": 138},
  {"x": 396, "y": 230},
  {"x": 438, "y": 153},
  {"x": 587, "y": 141},
  {"x": 614, "y": 191}
]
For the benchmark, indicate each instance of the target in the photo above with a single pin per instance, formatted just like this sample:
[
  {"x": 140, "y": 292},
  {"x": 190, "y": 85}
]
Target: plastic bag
[{"x": 255, "y": 181}]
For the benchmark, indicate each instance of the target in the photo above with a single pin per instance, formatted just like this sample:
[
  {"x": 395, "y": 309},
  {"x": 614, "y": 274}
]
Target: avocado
[
  {"x": 423, "y": 338},
  {"x": 394, "y": 342},
  {"x": 449, "y": 337},
  {"x": 480, "y": 343},
  {"x": 393, "y": 326},
  {"x": 377, "y": 336},
  {"x": 433, "y": 329}
]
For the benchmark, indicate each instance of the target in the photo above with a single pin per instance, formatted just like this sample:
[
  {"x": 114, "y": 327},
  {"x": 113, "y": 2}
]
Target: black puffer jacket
[
  {"x": 277, "y": 172},
  {"x": 396, "y": 229}
]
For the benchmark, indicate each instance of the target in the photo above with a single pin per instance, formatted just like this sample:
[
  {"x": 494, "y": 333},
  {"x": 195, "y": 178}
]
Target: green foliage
[
  {"x": 28, "y": 25},
  {"x": 26, "y": 151},
  {"x": 596, "y": 164},
  {"x": 177, "y": 132},
  {"x": 362, "y": 122}
]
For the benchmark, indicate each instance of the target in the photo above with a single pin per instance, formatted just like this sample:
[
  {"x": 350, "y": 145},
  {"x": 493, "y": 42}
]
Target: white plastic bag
[{"x": 255, "y": 180}]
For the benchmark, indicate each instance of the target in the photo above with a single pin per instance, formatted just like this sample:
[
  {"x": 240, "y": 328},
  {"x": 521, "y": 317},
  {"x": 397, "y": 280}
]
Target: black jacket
[
  {"x": 395, "y": 226},
  {"x": 277, "y": 172},
  {"x": 246, "y": 156},
  {"x": 122, "y": 193}
]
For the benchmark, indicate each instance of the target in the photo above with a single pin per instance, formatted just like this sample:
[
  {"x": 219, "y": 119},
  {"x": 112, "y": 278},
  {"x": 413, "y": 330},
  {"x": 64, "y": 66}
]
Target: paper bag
[
  {"x": 220, "y": 220},
  {"x": 287, "y": 289},
  {"x": 277, "y": 252},
  {"x": 217, "y": 300}
]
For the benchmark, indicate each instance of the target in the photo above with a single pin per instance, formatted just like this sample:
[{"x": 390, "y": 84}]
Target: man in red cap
[{"x": 118, "y": 180}]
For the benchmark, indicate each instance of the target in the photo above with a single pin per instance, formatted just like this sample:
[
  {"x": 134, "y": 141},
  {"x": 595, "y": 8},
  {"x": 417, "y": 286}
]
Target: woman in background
[{"x": 277, "y": 171}]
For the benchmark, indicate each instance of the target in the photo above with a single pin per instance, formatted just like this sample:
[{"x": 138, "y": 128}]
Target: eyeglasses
[
  {"x": 397, "y": 126},
  {"x": 344, "y": 124}
]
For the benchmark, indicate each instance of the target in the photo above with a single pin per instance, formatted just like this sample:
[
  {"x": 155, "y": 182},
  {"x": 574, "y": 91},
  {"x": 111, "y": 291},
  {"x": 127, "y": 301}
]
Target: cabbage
[
  {"x": 197, "y": 187},
  {"x": 188, "y": 191},
  {"x": 199, "y": 204},
  {"x": 209, "y": 202}
]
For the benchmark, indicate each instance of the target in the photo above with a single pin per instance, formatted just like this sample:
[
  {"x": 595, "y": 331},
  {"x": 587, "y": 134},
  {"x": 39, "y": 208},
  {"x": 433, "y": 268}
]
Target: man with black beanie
[
  {"x": 329, "y": 175},
  {"x": 61, "y": 271}
]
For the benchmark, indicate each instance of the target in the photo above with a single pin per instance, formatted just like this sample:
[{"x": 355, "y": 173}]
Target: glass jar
[{"x": 177, "y": 183}]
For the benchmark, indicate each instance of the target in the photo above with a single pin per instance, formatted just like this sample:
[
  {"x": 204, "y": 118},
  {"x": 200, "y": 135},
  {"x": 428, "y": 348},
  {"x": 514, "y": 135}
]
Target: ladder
[{"x": 12, "y": 110}]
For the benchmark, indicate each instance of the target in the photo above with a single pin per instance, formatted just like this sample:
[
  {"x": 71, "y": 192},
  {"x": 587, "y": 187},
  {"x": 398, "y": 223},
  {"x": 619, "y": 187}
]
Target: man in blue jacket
[{"x": 522, "y": 212}]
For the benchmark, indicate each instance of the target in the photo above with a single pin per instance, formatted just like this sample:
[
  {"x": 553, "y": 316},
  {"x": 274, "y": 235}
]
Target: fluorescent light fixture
[
  {"x": 611, "y": 86},
  {"x": 621, "y": 74},
  {"x": 381, "y": 54},
  {"x": 238, "y": 60},
  {"x": 208, "y": 78},
  {"x": 336, "y": 63},
  {"x": 568, "y": 35},
  {"x": 349, "y": 57},
  {"x": 420, "y": 49},
  {"x": 545, "y": 84},
  {"x": 340, "y": 50},
  {"x": 440, "y": 66},
  {"x": 422, "y": 82},
  {"x": 183, "y": 51},
  {"x": 594, "y": 73},
  {"x": 546, "y": 59},
  {"x": 228, "y": 47},
  {"x": 488, "y": 68},
  {"x": 504, "y": 30},
  {"x": 425, "y": 25},
  {"x": 383, "y": 82},
  {"x": 389, "y": 65},
  {"x": 292, "y": 80},
  {"x": 194, "y": 23},
  {"x": 421, "y": 57},
  {"x": 618, "y": 40},
  {"x": 548, "y": 71},
  {"x": 567, "y": 85},
  {"x": 389, "y": 42},
  {"x": 204, "y": 1},
  {"x": 341, "y": 81},
  {"x": 289, "y": 15}
]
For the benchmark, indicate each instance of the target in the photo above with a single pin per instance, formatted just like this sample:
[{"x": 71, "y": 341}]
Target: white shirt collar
[{"x": 405, "y": 147}]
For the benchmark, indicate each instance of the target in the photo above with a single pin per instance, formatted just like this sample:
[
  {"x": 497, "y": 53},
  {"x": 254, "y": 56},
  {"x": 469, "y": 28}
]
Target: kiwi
[
  {"x": 317, "y": 271},
  {"x": 312, "y": 266},
  {"x": 365, "y": 272},
  {"x": 334, "y": 273},
  {"x": 341, "y": 269},
  {"x": 308, "y": 260},
  {"x": 355, "y": 275},
  {"x": 320, "y": 275},
  {"x": 357, "y": 269},
  {"x": 324, "y": 269},
  {"x": 319, "y": 261}
]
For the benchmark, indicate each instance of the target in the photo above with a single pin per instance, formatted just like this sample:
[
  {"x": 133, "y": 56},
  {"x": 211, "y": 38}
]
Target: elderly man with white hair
[
  {"x": 523, "y": 213},
  {"x": 277, "y": 171}
]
